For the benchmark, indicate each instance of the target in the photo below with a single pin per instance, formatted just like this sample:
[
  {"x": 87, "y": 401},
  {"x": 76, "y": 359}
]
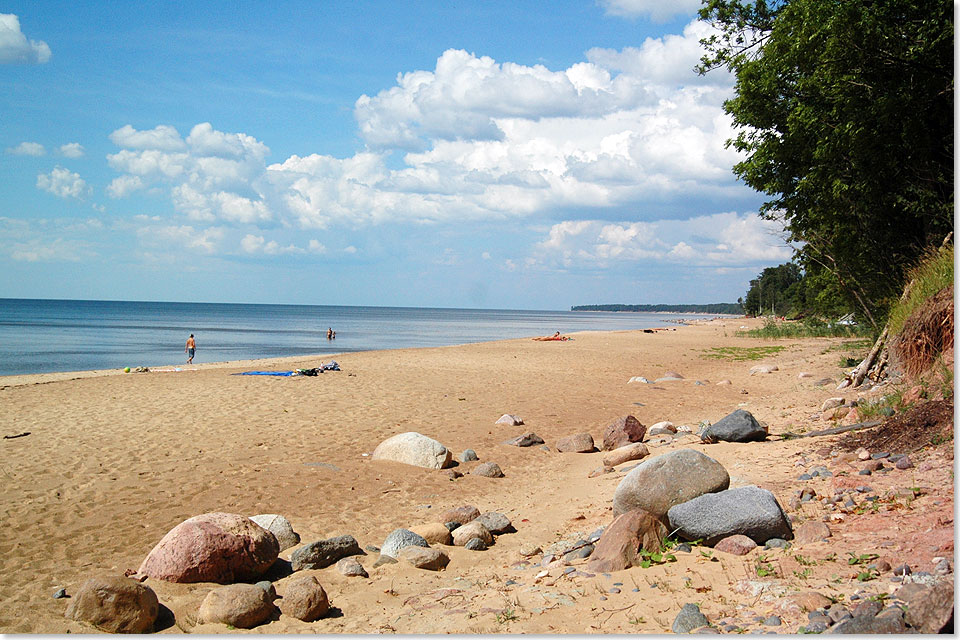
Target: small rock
[
  {"x": 524, "y": 440},
  {"x": 902, "y": 570},
  {"x": 462, "y": 535},
  {"x": 689, "y": 619},
  {"x": 304, "y": 598},
  {"x": 576, "y": 443},
  {"x": 323, "y": 553},
  {"x": 60, "y": 593},
  {"x": 776, "y": 543},
  {"x": 623, "y": 431},
  {"x": 813, "y": 627},
  {"x": 239, "y": 605},
  {"x": 738, "y": 545},
  {"x": 487, "y": 470},
  {"x": 433, "y": 532},
  {"x": 115, "y": 604},
  {"x": 469, "y": 455},
  {"x": 904, "y": 463},
  {"x": 398, "y": 539},
  {"x": 424, "y": 558},
  {"x": 529, "y": 549},
  {"x": 626, "y": 453},
  {"x": 462, "y": 514},
  {"x": 509, "y": 419},
  {"x": 475, "y": 544},
  {"x": 279, "y": 527},
  {"x": 351, "y": 568},
  {"x": 578, "y": 553},
  {"x": 496, "y": 522},
  {"x": 773, "y": 621}
]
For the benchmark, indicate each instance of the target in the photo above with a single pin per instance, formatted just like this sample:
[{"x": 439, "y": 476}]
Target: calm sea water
[{"x": 41, "y": 336}]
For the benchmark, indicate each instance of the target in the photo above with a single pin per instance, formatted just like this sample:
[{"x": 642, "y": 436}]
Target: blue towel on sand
[{"x": 266, "y": 373}]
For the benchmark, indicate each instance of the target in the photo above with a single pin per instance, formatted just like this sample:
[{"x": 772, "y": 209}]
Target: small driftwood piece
[
  {"x": 19, "y": 435},
  {"x": 832, "y": 431}
]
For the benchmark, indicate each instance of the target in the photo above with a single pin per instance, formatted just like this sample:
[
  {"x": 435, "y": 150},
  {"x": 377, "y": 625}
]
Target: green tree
[
  {"x": 778, "y": 290},
  {"x": 844, "y": 109}
]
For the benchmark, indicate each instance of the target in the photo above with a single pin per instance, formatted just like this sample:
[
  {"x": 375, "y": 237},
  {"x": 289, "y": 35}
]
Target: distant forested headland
[{"x": 719, "y": 307}]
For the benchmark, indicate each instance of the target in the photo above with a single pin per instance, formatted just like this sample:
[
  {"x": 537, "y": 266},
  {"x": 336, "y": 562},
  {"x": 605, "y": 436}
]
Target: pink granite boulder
[
  {"x": 212, "y": 547},
  {"x": 622, "y": 432}
]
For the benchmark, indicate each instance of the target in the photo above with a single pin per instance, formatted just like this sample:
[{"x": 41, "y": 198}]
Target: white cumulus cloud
[
  {"x": 15, "y": 48},
  {"x": 72, "y": 150},
  {"x": 27, "y": 149},
  {"x": 724, "y": 239},
  {"x": 473, "y": 139},
  {"x": 63, "y": 183}
]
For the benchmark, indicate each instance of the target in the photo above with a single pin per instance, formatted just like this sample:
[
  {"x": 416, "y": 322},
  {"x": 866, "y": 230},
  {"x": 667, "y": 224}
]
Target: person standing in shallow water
[{"x": 190, "y": 349}]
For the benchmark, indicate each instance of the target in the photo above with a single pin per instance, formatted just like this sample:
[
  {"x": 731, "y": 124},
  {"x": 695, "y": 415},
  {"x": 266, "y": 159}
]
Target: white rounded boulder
[{"x": 414, "y": 449}]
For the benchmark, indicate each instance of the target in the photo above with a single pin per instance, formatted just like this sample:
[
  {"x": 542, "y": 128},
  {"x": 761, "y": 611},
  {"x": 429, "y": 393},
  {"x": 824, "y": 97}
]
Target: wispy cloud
[{"x": 27, "y": 149}]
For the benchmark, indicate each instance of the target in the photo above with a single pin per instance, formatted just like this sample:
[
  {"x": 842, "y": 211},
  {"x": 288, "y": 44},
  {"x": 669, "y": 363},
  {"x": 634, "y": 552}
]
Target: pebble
[
  {"x": 773, "y": 621},
  {"x": 813, "y": 627},
  {"x": 614, "y": 590},
  {"x": 880, "y": 456},
  {"x": 776, "y": 543},
  {"x": 805, "y": 476},
  {"x": 864, "y": 472},
  {"x": 684, "y": 547},
  {"x": 902, "y": 570},
  {"x": 60, "y": 593},
  {"x": 903, "y": 463}
]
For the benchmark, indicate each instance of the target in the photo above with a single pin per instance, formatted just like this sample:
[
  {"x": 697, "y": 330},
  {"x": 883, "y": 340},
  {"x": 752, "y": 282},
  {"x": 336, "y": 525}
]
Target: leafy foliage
[{"x": 844, "y": 109}]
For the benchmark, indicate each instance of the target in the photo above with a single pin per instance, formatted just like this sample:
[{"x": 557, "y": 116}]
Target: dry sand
[{"x": 113, "y": 461}]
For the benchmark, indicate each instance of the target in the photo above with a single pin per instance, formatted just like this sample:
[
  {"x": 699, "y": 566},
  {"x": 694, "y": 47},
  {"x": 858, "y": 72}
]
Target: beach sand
[{"x": 113, "y": 461}]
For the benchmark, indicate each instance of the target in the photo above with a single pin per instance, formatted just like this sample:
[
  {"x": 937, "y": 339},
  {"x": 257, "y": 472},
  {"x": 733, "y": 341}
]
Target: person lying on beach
[{"x": 555, "y": 336}]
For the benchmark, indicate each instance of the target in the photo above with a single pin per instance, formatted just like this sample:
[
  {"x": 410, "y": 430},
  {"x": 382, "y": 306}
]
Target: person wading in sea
[{"x": 190, "y": 349}]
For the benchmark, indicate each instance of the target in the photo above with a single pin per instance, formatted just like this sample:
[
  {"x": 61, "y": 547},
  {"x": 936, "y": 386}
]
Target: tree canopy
[{"x": 844, "y": 109}]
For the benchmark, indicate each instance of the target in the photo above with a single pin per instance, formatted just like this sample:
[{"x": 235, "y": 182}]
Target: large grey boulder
[
  {"x": 212, "y": 547},
  {"x": 673, "y": 478},
  {"x": 280, "y": 527},
  {"x": 323, "y": 553},
  {"x": 749, "y": 511},
  {"x": 398, "y": 539},
  {"x": 739, "y": 426},
  {"x": 115, "y": 604},
  {"x": 414, "y": 449}
]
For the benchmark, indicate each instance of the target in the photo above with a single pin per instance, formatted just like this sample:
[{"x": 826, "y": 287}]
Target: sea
[{"x": 44, "y": 336}]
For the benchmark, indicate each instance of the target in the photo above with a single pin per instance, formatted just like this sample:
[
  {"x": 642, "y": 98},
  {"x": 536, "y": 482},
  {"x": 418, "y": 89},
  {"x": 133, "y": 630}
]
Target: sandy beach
[{"x": 113, "y": 461}]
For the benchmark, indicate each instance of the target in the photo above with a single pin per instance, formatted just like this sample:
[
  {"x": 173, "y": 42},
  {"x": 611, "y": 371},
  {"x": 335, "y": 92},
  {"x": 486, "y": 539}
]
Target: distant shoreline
[{"x": 718, "y": 308}]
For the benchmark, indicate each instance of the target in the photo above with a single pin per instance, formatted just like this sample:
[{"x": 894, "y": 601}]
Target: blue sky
[{"x": 454, "y": 154}]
